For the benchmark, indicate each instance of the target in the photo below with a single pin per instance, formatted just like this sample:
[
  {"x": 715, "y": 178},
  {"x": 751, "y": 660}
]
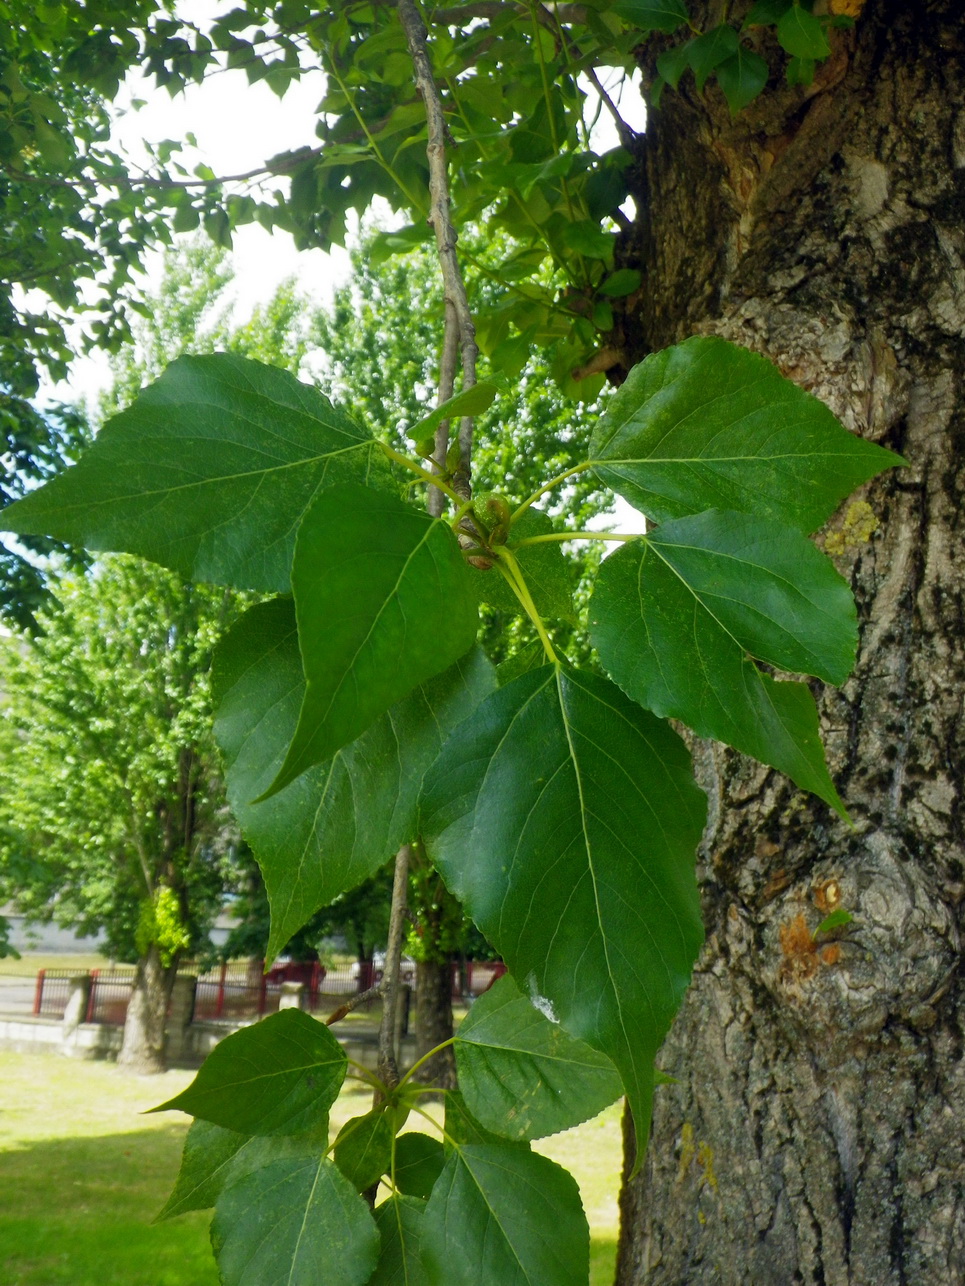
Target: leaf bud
[
  {"x": 498, "y": 513},
  {"x": 453, "y": 457},
  {"x": 426, "y": 447}
]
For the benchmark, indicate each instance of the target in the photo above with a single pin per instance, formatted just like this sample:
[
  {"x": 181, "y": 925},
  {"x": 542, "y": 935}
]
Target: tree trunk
[
  {"x": 433, "y": 1023},
  {"x": 142, "y": 1049},
  {"x": 815, "y": 1133}
]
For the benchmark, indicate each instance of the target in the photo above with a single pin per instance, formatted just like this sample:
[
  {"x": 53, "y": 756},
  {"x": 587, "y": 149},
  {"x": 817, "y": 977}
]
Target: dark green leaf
[
  {"x": 399, "y": 1221},
  {"x": 800, "y": 71},
  {"x": 206, "y": 1161},
  {"x": 529, "y": 657},
  {"x": 418, "y": 1163},
  {"x": 652, "y": 15},
  {"x": 620, "y": 283},
  {"x": 710, "y": 50},
  {"x": 384, "y": 602},
  {"x": 299, "y": 1222},
  {"x": 208, "y": 472},
  {"x": 802, "y": 34},
  {"x": 548, "y": 575},
  {"x": 707, "y": 425},
  {"x": 338, "y": 823},
  {"x": 764, "y": 12},
  {"x": 523, "y": 1076},
  {"x": 565, "y": 818},
  {"x": 363, "y": 1149},
  {"x": 280, "y": 1076},
  {"x": 462, "y": 1127},
  {"x": 742, "y": 78},
  {"x": 672, "y": 63},
  {"x": 677, "y": 617},
  {"x": 505, "y": 1214},
  {"x": 471, "y": 401}
]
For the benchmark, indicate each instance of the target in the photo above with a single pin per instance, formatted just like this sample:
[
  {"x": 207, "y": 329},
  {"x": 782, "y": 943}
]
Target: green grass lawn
[{"x": 82, "y": 1173}]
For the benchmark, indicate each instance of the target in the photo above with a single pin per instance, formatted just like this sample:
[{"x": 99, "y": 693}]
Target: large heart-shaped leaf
[
  {"x": 208, "y": 472},
  {"x": 678, "y": 616},
  {"x": 399, "y": 1221},
  {"x": 500, "y": 1213},
  {"x": 707, "y": 425},
  {"x": 565, "y": 818},
  {"x": 524, "y": 1076},
  {"x": 280, "y": 1076},
  {"x": 384, "y": 602},
  {"x": 295, "y": 1221},
  {"x": 336, "y": 824}
]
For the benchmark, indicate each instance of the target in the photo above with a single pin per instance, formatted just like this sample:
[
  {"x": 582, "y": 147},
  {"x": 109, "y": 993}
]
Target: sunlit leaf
[
  {"x": 336, "y": 824},
  {"x": 565, "y": 818},
  {"x": 707, "y": 425}
]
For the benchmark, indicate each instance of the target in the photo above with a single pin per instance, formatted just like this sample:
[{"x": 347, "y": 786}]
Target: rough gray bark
[
  {"x": 816, "y": 1133},
  {"x": 142, "y": 1046}
]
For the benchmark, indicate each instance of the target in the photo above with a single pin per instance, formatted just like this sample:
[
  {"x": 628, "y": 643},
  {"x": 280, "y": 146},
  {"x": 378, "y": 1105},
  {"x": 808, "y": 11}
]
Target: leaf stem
[
  {"x": 511, "y": 570},
  {"x": 424, "y": 1059},
  {"x": 574, "y": 535},
  {"x": 433, "y": 479},
  {"x": 548, "y": 486}
]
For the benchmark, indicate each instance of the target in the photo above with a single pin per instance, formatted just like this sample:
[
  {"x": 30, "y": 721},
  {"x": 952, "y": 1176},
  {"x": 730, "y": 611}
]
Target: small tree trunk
[
  {"x": 433, "y": 1023},
  {"x": 142, "y": 1049}
]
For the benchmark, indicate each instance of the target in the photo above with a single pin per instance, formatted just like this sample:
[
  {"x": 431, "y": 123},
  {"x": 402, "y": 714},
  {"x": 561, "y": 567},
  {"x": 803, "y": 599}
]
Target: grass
[
  {"x": 28, "y": 964},
  {"x": 83, "y": 1173}
]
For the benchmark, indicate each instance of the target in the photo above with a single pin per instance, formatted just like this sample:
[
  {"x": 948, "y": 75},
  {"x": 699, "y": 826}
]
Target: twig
[
  {"x": 388, "y": 1062},
  {"x": 439, "y": 217},
  {"x": 360, "y": 998}
]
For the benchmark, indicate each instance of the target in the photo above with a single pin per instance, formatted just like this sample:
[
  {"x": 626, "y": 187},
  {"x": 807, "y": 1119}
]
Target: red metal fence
[{"x": 232, "y": 992}]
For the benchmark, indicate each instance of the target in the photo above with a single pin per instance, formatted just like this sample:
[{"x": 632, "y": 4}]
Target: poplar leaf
[
  {"x": 523, "y": 1076},
  {"x": 280, "y": 1076},
  {"x": 500, "y": 1213},
  {"x": 383, "y": 601},
  {"x": 566, "y": 818},
  {"x": 208, "y": 472},
  {"x": 400, "y": 1221},
  {"x": 337, "y": 823},
  {"x": 299, "y": 1222},
  {"x": 708, "y": 425}
]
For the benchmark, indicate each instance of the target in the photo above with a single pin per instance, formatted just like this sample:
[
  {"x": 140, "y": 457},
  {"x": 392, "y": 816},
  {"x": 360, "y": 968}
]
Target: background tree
[{"x": 113, "y": 814}]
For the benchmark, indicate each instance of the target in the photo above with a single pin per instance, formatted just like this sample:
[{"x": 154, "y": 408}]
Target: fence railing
[{"x": 233, "y": 992}]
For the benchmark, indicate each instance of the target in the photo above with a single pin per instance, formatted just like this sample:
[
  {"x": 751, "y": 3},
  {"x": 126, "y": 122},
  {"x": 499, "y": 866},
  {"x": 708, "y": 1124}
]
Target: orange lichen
[{"x": 802, "y": 954}]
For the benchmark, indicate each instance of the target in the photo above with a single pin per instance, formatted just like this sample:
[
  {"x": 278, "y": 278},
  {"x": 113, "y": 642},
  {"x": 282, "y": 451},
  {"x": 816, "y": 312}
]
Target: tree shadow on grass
[{"x": 78, "y": 1212}]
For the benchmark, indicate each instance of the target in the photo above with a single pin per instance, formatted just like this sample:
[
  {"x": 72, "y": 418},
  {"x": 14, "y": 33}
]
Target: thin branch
[
  {"x": 388, "y": 1061},
  {"x": 458, "y": 14},
  {"x": 360, "y": 998},
  {"x": 439, "y": 217}
]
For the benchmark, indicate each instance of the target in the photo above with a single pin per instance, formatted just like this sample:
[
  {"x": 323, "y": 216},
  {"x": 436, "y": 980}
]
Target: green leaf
[
  {"x": 565, "y": 819},
  {"x": 707, "y": 425},
  {"x": 384, "y": 602},
  {"x": 280, "y": 1076},
  {"x": 652, "y": 15},
  {"x": 363, "y": 1149},
  {"x": 419, "y": 1159},
  {"x": 214, "y": 1157},
  {"x": 742, "y": 78},
  {"x": 802, "y": 34},
  {"x": 521, "y": 1075},
  {"x": 505, "y": 1214},
  {"x": 678, "y": 616},
  {"x": 208, "y": 472},
  {"x": 548, "y": 573},
  {"x": 765, "y": 12},
  {"x": 471, "y": 401},
  {"x": 710, "y": 50},
  {"x": 400, "y": 1221},
  {"x": 339, "y": 822},
  {"x": 672, "y": 63},
  {"x": 206, "y": 1161},
  {"x": 462, "y": 1127},
  {"x": 620, "y": 283},
  {"x": 299, "y": 1222},
  {"x": 800, "y": 71},
  {"x": 836, "y": 920}
]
